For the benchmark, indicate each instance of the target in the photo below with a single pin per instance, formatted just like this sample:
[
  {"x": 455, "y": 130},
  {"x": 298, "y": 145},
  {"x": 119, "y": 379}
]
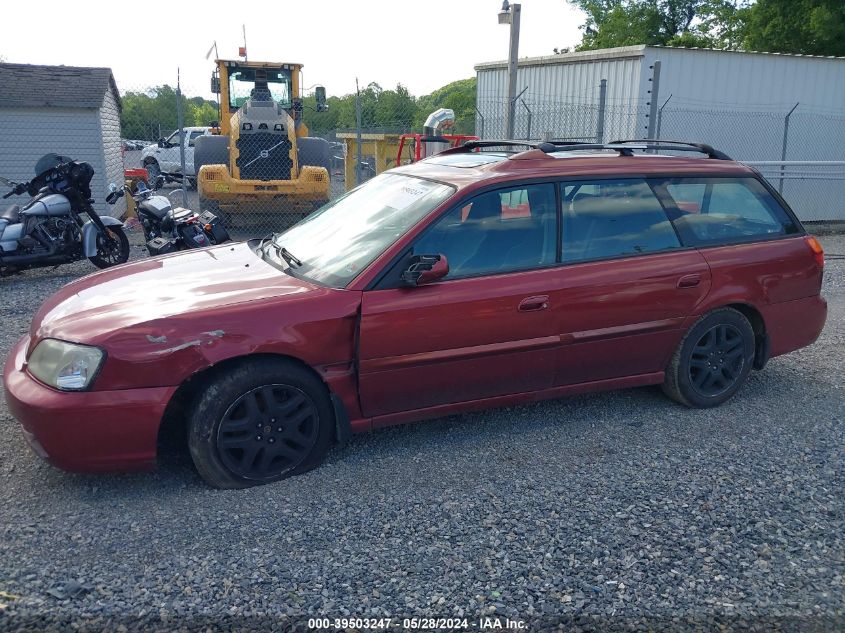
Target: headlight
[{"x": 65, "y": 366}]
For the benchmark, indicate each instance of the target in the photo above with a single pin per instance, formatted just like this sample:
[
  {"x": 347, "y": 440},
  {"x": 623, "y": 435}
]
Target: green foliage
[
  {"x": 702, "y": 23},
  {"x": 810, "y": 27},
  {"x": 814, "y": 27},
  {"x": 147, "y": 115},
  {"x": 396, "y": 110},
  {"x": 458, "y": 96}
]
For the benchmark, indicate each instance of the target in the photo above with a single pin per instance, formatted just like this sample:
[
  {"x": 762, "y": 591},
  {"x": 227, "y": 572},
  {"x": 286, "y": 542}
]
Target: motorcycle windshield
[{"x": 50, "y": 161}]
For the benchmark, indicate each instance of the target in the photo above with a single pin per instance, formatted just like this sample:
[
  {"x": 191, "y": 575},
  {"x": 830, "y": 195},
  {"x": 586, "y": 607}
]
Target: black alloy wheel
[
  {"x": 258, "y": 420},
  {"x": 713, "y": 359},
  {"x": 267, "y": 432},
  {"x": 717, "y": 360}
]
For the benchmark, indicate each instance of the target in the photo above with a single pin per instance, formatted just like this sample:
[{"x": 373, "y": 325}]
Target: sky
[{"x": 423, "y": 44}]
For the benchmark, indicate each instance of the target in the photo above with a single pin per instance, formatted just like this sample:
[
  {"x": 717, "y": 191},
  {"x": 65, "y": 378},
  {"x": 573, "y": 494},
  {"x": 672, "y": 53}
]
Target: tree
[
  {"x": 147, "y": 115},
  {"x": 702, "y": 23},
  {"x": 810, "y": 27},
  {"x": 458, "y": 96}
]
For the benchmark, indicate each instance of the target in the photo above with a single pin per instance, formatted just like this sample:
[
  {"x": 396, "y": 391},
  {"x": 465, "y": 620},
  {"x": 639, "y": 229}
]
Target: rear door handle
[
  {"x": 689, "y": 281},
  {"x": 532, "y": 304}
]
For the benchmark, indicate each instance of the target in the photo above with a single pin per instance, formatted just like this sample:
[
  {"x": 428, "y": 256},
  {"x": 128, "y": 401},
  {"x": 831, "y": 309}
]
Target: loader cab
[
  {"x": 238, "y": 82},
  {"x": 259, "y": 84}
]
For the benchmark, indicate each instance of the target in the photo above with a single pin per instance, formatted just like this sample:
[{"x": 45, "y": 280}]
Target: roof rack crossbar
[
  {"x": 704, "y": 148},
  {"x": 624, "y": 147}
]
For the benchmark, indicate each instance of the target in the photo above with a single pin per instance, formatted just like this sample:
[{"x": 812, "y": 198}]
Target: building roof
[
  {"x": 30, "y": 85},
  {"x": 623, "y": 52}
]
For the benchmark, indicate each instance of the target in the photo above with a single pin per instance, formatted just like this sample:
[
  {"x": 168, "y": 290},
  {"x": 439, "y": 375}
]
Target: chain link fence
[
  {"x": 801, "y": 153},
  {"x": 273, "y": 162}
]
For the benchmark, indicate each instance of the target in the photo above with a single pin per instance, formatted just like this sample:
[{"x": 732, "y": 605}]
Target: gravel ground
[{"x": 617, "y": 511}]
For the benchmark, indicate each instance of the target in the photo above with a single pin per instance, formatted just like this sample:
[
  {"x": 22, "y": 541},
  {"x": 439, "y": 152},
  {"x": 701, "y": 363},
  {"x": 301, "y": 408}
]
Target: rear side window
[
  {"x": 723, "y": 210},
  {"x": 613, "y": 218}
]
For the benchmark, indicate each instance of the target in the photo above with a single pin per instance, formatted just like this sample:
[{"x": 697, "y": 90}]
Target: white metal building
[
  {"x": 66, "y": 110},
  {"x": 736, "y": 101}
]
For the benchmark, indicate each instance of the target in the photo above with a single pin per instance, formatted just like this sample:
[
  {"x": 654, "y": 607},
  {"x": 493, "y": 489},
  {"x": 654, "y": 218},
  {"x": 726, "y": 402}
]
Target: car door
[
  {"x": 485, "y": 329},
  {"x": 627, "y": 284},
  {"x": 168, "y": 156}
]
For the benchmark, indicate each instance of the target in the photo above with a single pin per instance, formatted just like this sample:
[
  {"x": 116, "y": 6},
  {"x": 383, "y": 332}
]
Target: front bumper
[
  {"x": 216, "y": 183},
  {"x": 85, "y": 431}
]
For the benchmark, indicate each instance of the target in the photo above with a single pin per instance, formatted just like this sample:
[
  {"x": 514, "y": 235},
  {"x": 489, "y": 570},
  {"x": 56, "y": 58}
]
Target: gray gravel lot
[{"x": 618, "y": 511}]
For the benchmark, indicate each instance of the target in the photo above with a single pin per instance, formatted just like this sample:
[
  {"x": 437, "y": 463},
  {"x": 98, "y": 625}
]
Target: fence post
[
  {"x": 480, "y": 116},
  {"x": 357, "y": 133},
  {"x": 528, "y": 132},
  {"x": 602, "y": 105},
  {"x": 660, "y": 117},
  {"x": 783, "y": 147},
  {"x": 655, "y": 93},
  {"x": 180, "y": 121}
]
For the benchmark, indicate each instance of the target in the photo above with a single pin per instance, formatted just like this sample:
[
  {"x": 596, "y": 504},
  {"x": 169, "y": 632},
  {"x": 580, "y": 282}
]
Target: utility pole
[
  {"x": 180, "y": 118},
  {"x": 358, "y": 156},
  {"x": 510, "y": 14}
]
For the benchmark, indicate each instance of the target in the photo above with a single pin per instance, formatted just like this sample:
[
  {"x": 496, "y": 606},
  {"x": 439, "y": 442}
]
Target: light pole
[{"x": 510, "y": 14}]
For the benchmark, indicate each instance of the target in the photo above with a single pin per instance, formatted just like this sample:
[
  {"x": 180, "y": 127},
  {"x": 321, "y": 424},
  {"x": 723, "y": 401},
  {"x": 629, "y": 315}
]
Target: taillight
[{"x": 818, "y": 251}]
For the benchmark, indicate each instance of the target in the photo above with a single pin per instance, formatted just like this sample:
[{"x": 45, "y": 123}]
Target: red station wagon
[{"x": 491, "y": 274}]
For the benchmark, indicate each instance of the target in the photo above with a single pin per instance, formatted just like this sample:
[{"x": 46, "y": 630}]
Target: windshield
[
  {"x": 338, "y": 241},
  {"x": 263, "y": 84}
]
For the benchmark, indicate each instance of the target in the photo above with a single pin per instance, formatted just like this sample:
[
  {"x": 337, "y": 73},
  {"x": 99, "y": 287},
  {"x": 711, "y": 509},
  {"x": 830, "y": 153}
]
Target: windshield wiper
[
  {"x": 267, "y": 239},
  {"x": 288, "y": 256},
  {"x": 285, "y": 254}
]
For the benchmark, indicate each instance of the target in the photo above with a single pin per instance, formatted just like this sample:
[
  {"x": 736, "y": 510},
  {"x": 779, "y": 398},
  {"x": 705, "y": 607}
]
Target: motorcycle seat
[
  {"x": 12, "y": 213},
  {"x": 156, "y": 212}
]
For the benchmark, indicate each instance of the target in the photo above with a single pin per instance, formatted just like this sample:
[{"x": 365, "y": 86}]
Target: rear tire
[
  {"x": 314, "y": 151},
  {"x": 117, "y": 254},
  {"x": 210, "y": 150},
  {"x": 258, "y": 422},
  {"x": 712, "y": 361}
]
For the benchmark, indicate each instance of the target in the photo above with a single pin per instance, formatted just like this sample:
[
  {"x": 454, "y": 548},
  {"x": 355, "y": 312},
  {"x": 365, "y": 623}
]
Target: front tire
[
  {"x": 111, "y": 254},
  {"x": 712, "y": 361},
  {"x": 258, "y": 422},
  {"x": 153, "y": 172}
]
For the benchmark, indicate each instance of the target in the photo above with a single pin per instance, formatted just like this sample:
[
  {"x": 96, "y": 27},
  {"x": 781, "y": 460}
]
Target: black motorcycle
[
  {"x": 49, "y": 230},
  {"x": 166, "y": 228}
]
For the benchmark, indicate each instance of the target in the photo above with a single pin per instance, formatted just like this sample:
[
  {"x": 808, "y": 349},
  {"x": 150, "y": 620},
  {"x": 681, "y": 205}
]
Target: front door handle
[
  {"x": 532, "y": 304},
  {"x": 689, "y": 281}
]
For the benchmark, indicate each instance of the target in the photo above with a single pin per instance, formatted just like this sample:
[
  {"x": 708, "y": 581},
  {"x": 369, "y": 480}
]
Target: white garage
[{"x": 66, "y": 110}]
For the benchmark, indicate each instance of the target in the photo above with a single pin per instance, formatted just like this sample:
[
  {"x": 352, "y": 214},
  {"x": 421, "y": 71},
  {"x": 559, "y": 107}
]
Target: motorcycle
[
  {"x": 49, "y": 230},
  {"x": 166, "y": 228}
]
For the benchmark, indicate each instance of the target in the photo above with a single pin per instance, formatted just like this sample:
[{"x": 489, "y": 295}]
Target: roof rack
[
  {"x": 471, "y": 145},
  {"x": 681, "y": 146},
  {"x": 625, "y": 148}
]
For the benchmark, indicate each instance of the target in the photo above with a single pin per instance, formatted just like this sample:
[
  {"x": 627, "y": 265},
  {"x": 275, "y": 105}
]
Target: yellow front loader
[{"x": 261, "y": 159}]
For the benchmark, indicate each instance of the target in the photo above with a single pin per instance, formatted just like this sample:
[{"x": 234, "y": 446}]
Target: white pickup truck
[{"x": 164, "y": 155}]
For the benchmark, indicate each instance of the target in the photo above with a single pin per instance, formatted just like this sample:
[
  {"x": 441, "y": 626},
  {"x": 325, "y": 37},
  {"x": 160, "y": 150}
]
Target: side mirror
[
  {"x": 320, "y": 96},
  {"x": 115, "y": 194},
  {"x": 425, "y": 269},
  {"x": 161, "y": 143}
]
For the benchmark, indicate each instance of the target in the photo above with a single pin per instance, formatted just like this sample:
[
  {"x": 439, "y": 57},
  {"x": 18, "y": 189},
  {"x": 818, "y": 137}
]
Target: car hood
[{"x": 157, "y": 289}]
